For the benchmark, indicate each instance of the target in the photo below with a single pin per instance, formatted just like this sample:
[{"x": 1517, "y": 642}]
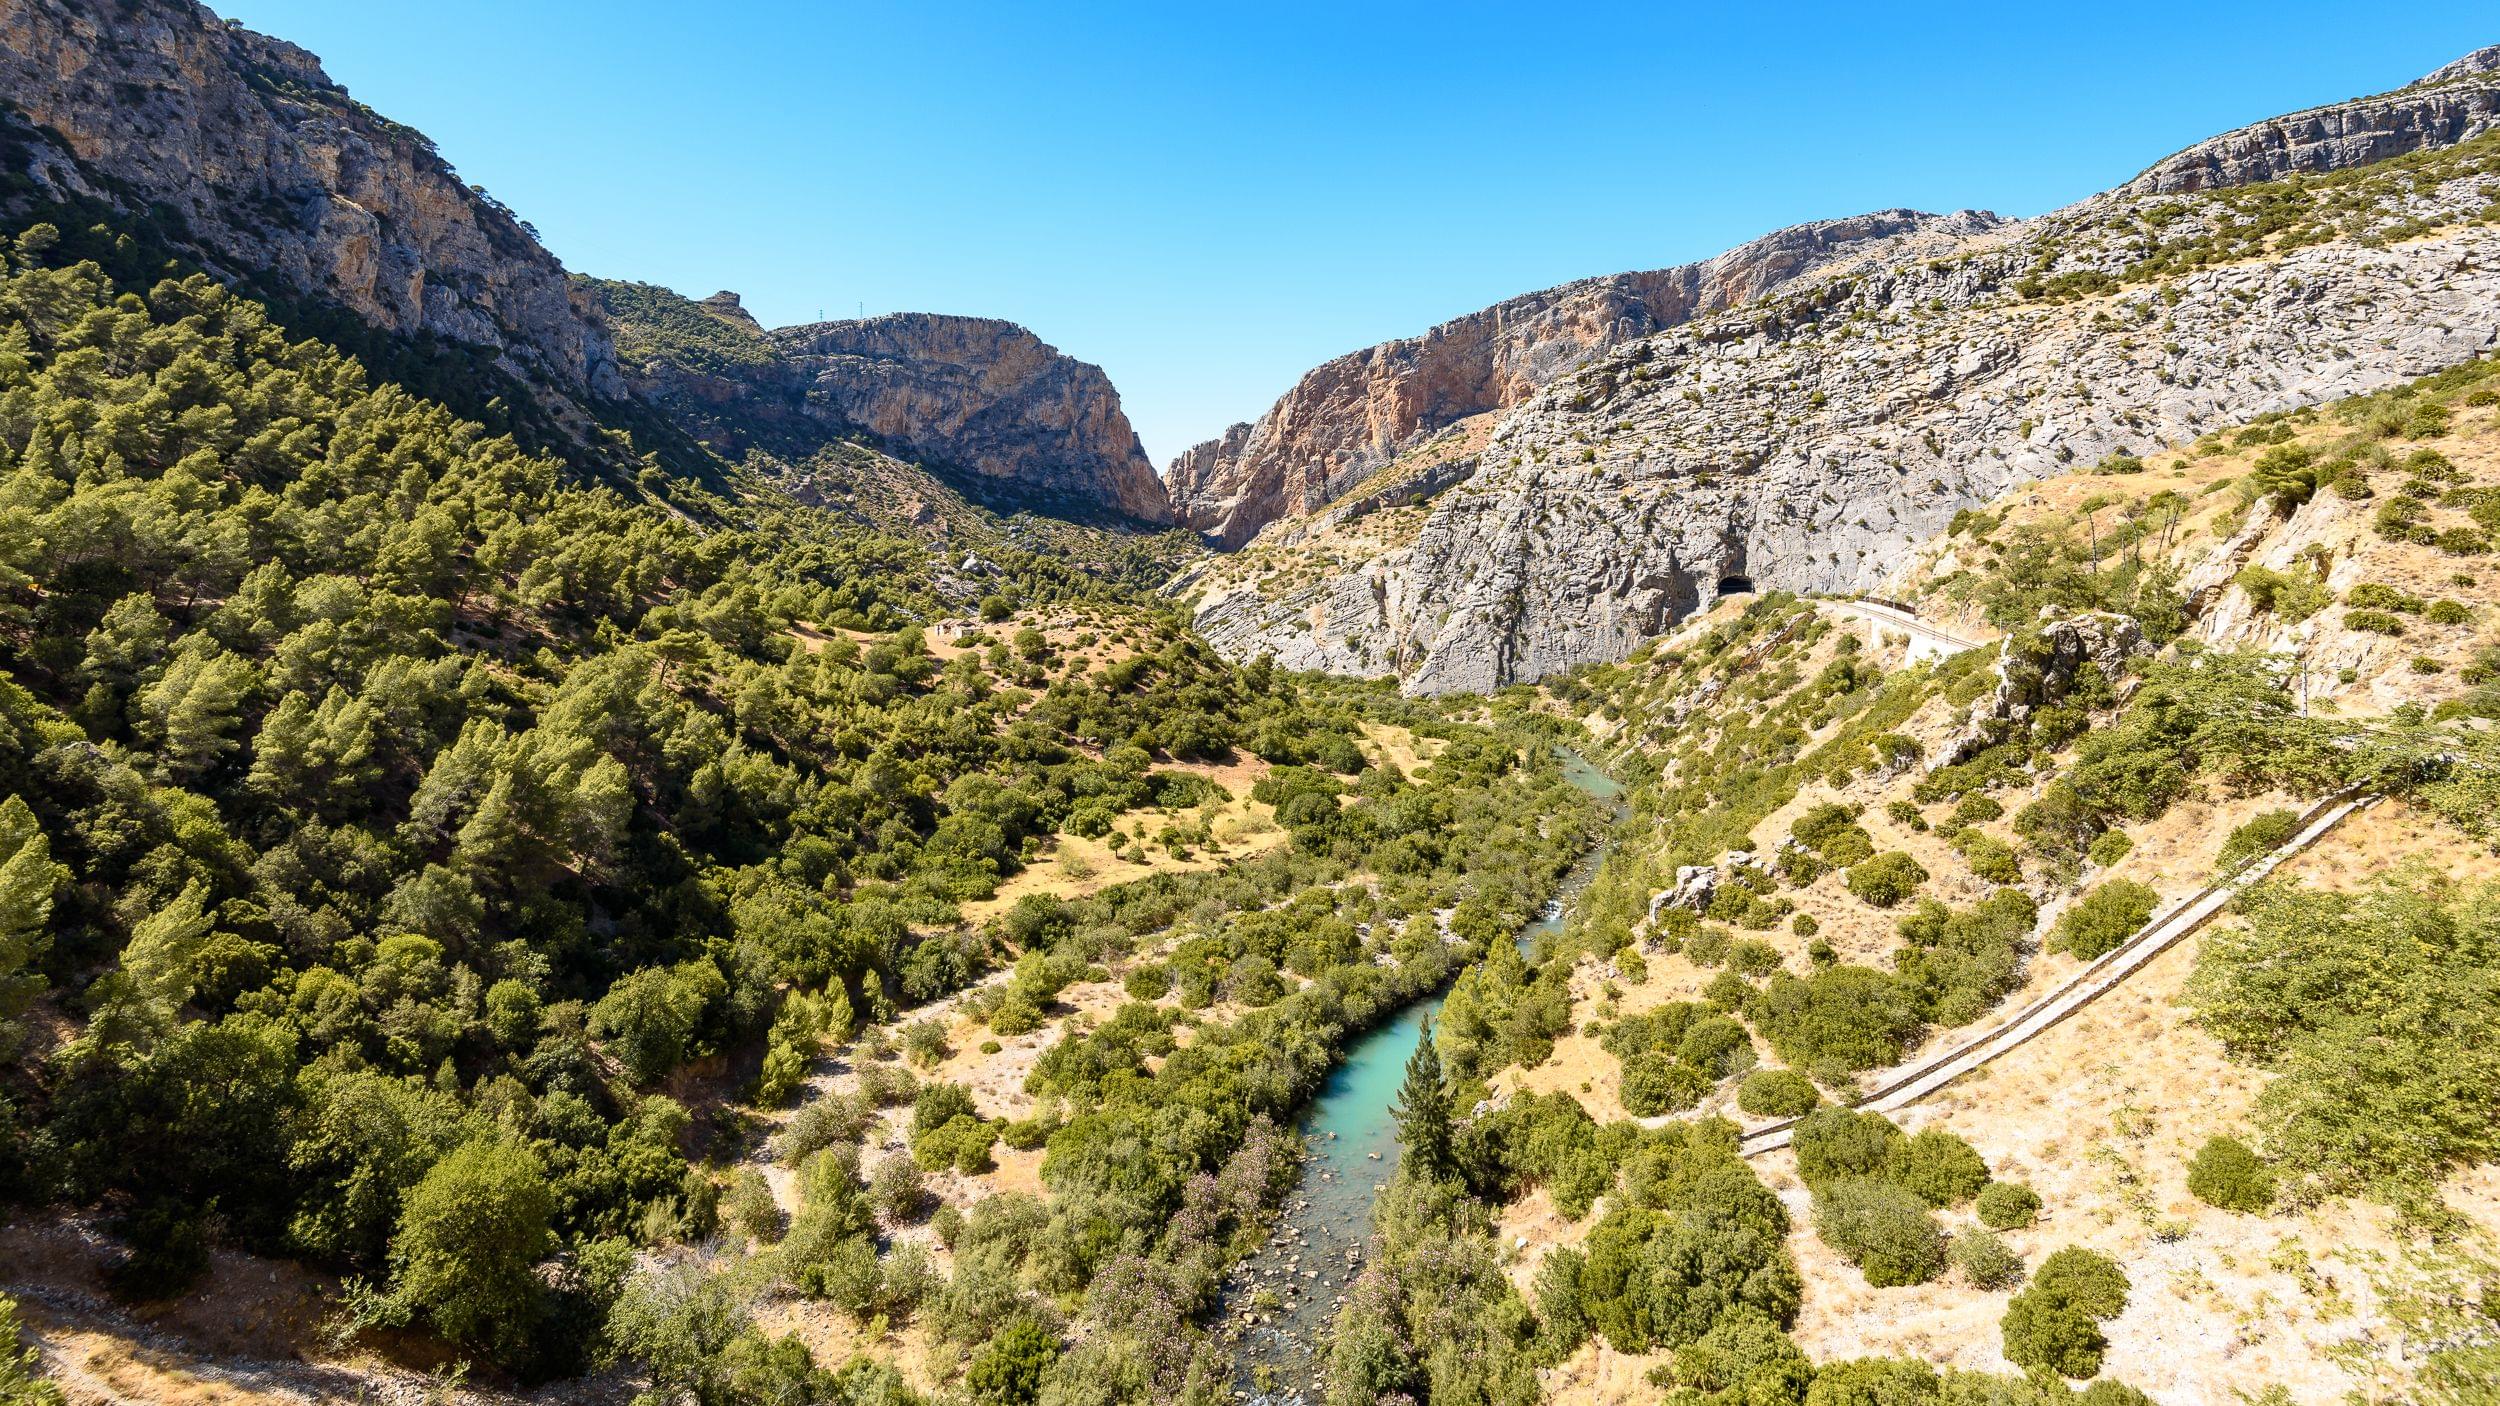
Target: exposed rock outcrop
[
  {"x": 983, "y": 396},
  {"x": 2455, "y": 104},
  {"x": 1007, "y": 416},
  {"x": 1351, "y": 415},
  {"x": 1808, "y": 440},
  {"x": 279, "y": 177}
]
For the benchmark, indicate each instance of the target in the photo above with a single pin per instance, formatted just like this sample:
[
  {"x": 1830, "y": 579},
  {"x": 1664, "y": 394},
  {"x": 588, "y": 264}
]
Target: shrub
[
  {"x": 2373, "y": 595},
  {"x": 1880, "y": 1227},
  {"x": 2227, "y": 1174},
  {"x": 2107, "y": 916},
  {"x": 2054, "y": 1325},
  {"x": 1777, "y": 1093},
  {"x": 1655, "y": 1083},
  {"x": 749, "y": 1207},
  {"x": 1717, "y": 1046},
  {"x": 1886, "y": 879},
  {"x": 2377, "y": 622},
  {"x": 1990, "y": 858},
  {"x": 2294, "y": 595},
  {"x": 1839, "y": 1020},
  {"x": 1708, "y": 947},
  {"x": 1008, "y": 1372},
  {"x": 2109, "y": 847},
  {"x": 2008, "y": 1205},
  {"x": 1804, "y": 925},
  {"x": 1753, "y": 957},
  {"x": 1744, "y": 1357},
  {"x": 1986, "y": 1261},
  {"x": 1727, "y": 991},
  {"x": 2448, "y": 612},
  {"x": 1941, "y": 1168},
  {"x": 2259, "y": 835},
  {"x": 1837, "y": 1144},
  {"x": 1147, "y": 982},
  {"x": 895, "y": 1188}
]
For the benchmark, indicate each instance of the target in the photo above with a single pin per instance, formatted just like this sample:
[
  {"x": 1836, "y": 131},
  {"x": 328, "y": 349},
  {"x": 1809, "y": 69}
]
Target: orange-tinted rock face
[
  {"x": 1351, "y": 415},
  {"x": 982, "y": 396}
]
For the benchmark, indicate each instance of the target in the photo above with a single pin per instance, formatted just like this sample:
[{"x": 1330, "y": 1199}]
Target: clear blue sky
[{"x": 1208, "y": 199}]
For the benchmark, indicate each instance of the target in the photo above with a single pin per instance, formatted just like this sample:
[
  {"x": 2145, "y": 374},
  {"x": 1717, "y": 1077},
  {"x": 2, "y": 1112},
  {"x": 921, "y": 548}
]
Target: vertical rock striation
[{"x": 279, "y": 177}]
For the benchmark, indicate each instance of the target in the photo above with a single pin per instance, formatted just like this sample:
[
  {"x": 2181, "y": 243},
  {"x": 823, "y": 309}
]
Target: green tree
[
  {"x": 28, "y": 879},
  {"x": 21, "y": 1368},
  {"x": 1009, "y": 1370},
  {"x": 1423, "y": 1109},
  {"x": 2055, "y": 1324},
  {"x": 470, "y": 1239}
]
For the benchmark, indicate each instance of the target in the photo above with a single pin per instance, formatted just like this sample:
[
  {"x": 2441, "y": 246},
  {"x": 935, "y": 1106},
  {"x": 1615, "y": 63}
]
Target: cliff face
[
  {"x": 1349, "y": 416},
  {"x": 1007, "y": 414},
  {"x": 1810, "y": 439},
  {"x": 2455, "y": 104},
  {"x": 277, "y": 174},
  {"x": 982, "y": 396}
]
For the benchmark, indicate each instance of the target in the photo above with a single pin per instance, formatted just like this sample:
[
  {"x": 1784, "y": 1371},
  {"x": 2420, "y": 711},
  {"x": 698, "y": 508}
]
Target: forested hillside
[{"x": 416, "y": 859}]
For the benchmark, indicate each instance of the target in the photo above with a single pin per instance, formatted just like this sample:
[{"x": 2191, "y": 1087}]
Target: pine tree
[
  {"x": 28, "y": 878},
  {"x": 1423, "y": 1109}
]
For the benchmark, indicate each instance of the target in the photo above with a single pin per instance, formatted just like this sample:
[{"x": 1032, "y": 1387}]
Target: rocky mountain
[
  {"x": 275, "y": 176},
  {"x": 243, "y": 154},
  {"x": 1348, "y": 417},
  {"x": 1808, "y": 439},
  {"x": 1011, "y": 418}
]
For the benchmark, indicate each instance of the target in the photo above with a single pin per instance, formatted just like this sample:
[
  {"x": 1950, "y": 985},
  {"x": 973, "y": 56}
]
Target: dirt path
[{"x": 1912, "y": 1082}]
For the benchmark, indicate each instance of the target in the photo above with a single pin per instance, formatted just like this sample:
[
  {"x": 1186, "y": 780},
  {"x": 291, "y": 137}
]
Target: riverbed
[{"x": 1281, "y": 1300}]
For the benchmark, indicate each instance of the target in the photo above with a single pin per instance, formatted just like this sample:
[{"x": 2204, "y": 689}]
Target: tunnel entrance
[{"x": 1735, "y": 585}]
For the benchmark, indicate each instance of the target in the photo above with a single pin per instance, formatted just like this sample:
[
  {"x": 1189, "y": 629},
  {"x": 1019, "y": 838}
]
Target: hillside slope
[{"x": 1809, "y": 440}]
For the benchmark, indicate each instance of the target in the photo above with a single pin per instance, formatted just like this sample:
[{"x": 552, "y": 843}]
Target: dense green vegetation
[{"x": 413, "y": 852}]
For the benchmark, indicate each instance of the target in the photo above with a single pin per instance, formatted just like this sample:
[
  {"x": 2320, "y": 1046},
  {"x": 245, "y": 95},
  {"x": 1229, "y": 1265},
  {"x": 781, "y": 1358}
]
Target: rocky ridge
[
  {"x": 1809, "y": 440},
  {"x": 1354, "y": 414},
  {"x": 1011, "y": 416},
  {"x": 278, "y": 176}
]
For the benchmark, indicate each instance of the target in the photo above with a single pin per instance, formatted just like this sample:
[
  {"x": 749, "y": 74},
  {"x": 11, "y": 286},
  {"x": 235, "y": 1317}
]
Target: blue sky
[{"x": 1208, "y": 199}]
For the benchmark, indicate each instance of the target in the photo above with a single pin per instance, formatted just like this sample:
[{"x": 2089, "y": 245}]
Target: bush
[
  {"x": 1941, "y": 1169},
  {"x": 2293, "y": 595},
  {"x": 1655, "y": 1083},
  {"x": 1887, "y": 878},
  {"x": 1717, "y": 1047},
  {"x": 2008, "y": 1205},
  {"x": 1838, "y": 1144},
  {"x": 749, "y": 1207},
  {"x": 2377, "y": 622},
  {"x": 1986, "y": 1261},
  {"x": 1880, "y": 1227},
  {"x": 2261, "y": 835},
  {"x": 1777, "y": 1093},
  {"x": 2054, "y": 1325},
  {"x": 2448, "y": 612},
  {"x": 1990, "y": 858},
  {"x": 1008, "y": 1372},
  {"x": 2227, "y": 1174},
  {"x": 1147, "y": 982},
  {"x": 2109, "y": 847},
  {"x": 1839, "y": 1020},
  {"x": 2107, "y": 916},
  {"x": 896, "y": 1189}
]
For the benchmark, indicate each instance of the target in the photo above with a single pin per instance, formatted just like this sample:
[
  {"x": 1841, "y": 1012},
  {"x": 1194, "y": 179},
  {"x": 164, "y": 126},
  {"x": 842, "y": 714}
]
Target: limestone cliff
[
  {"x": 1010, "y": 418},
  {"x": 1809, "y": 439},
  {"x": 277, "y": 176},
  {"x": 1351, "y": 415}
]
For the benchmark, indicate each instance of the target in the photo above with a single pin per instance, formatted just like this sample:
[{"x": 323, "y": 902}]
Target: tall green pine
[{"x": 1423, "y": 1109}]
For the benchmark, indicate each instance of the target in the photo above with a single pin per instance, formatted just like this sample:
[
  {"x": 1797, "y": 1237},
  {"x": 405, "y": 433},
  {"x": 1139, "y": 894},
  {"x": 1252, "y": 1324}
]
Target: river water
[{"x": 1280, "y": 1301}]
